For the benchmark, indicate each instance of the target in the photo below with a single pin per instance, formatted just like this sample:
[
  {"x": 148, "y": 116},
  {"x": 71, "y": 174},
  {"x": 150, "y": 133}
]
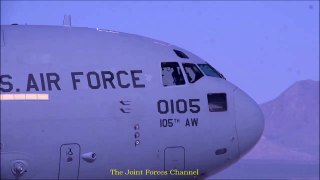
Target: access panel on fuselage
[
  {"x": 174, "y": 158},
  {"x": 69, "y": 161}
]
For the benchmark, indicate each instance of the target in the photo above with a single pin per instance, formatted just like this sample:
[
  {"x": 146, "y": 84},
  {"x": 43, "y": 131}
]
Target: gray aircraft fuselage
[{"x": 82, "y": 103}]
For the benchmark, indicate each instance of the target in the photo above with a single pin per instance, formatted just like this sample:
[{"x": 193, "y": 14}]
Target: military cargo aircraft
[{"x": 90, "y": 103}]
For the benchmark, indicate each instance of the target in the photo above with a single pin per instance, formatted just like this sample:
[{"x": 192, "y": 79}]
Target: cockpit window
[
  {"x": 171, "y": 74},
  {"x": 192, "y": 71},
  {"x": 180, "y": 54},
  {"x": 210, "y": 71},
  {"x": 217, "y": 102}
]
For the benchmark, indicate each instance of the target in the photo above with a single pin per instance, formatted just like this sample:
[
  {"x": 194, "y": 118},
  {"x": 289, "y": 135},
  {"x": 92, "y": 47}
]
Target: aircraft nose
[{"x": 249, "y": 121}]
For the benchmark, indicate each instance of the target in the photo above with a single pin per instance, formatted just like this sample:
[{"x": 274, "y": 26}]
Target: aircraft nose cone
[{"x": 249, "y": 121}]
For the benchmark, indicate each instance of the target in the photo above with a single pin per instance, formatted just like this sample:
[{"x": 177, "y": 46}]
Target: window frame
[
  {"x": 224, "y": 107},
  {"x": 193, "y": 64},
  {"x": 219, "y": 75},
  {"x": 182, "y": 74}
]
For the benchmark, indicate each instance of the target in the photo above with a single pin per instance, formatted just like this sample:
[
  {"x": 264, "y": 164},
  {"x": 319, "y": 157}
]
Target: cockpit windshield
[
  {"x": 210, "y": 71},
  {"x": 171, "y": 74},
  {"x": 193, "y": 72}
]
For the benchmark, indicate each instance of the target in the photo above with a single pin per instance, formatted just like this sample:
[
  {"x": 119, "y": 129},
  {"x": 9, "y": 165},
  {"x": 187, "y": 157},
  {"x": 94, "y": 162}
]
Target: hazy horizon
[{"x": 289, "y": 146}]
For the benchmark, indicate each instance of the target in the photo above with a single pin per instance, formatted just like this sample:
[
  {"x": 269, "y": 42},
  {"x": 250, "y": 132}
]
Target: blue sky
[{"x": 263, "y": 47}]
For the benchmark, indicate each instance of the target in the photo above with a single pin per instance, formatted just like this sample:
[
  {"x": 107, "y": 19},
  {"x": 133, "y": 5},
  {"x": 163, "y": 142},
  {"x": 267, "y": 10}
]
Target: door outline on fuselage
[
  {"x": 60, "y": 157},
  {"x": 175, "y": 147}
]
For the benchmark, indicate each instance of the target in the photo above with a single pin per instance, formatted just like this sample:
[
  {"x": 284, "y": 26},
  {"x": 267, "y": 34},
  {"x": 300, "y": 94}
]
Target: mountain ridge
[{"x": 291, "y": 124}]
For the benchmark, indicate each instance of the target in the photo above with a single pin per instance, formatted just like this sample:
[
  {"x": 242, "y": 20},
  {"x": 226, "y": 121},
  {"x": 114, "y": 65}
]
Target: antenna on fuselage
[{"x": 67, "y": 20}]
